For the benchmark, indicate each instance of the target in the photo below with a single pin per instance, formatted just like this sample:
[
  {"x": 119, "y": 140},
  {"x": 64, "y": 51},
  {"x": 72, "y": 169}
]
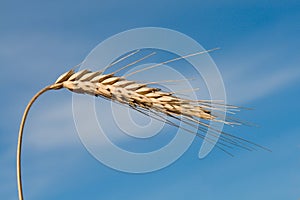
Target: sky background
[{"x": 259, "y": 61}]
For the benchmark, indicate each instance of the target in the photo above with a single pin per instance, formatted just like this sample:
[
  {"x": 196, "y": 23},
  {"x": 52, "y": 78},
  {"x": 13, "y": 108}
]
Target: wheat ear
[{"x": 142, "y": 97}]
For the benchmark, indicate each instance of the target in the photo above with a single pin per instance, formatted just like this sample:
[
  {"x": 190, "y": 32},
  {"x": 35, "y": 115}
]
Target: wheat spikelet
[{"x": 142, "y": 97}]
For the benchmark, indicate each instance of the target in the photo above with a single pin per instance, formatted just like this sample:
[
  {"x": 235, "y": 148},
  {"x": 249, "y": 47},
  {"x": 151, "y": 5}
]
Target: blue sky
[{"x": 259, "y": 63}]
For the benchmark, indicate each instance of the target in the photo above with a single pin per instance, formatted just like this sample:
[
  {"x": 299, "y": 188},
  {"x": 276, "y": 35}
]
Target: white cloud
[
  {"x": 249, "y": 89},
  {"x": 260, "y": 65}
]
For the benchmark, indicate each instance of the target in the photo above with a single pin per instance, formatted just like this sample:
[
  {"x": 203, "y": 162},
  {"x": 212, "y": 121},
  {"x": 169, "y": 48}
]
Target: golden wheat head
[{"x": 147, "y": 99}]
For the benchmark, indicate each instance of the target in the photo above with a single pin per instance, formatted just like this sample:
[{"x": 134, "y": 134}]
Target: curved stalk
[{"x": 19, "y": 178}]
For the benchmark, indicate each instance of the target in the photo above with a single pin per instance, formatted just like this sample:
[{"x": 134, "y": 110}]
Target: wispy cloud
[
  {"x": 260, "y": 65},
  {"x": 253, "y": 87}
]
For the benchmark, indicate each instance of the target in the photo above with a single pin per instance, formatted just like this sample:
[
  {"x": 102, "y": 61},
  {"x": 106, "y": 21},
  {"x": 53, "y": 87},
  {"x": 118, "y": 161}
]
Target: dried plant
[{"x": 151, "y": 101}]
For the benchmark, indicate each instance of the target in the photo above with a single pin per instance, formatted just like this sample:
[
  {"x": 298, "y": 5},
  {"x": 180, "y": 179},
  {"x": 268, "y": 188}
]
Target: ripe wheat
[{"x": 151, "y": 101}]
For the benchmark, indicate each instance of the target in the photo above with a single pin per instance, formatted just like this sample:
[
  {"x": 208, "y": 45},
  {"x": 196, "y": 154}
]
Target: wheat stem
[{"x": 19, "y": 148}]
